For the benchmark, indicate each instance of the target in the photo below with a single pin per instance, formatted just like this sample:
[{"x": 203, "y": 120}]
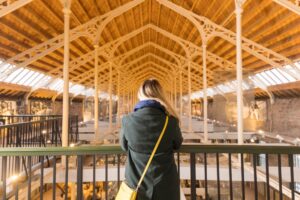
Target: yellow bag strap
[{"x": 153, "y": 153}]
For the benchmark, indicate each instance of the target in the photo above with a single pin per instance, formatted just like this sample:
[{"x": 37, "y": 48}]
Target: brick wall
[{"x": 284, "y": 117}]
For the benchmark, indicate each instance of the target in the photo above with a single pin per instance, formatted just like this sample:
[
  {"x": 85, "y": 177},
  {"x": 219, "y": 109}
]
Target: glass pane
[
  {"x": 280, "y": 76},
  {"x": 287, "y": 76},
  {"x": 34, "y": 80},
  {"x": 273, "y": 76},
  {"x": 297, "y": 65},
  {"x": 12, "y": 76},
  {"x": 262, "y": 79},
  {"x": 268, "y": 78},
  {"x": 26, "y": 77},
  {"x": 5, "y": 67},
  {"x": 44, "y": 81}
]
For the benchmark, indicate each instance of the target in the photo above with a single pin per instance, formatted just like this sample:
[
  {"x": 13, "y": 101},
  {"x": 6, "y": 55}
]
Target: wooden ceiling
[{"x": 264, "y": 22}]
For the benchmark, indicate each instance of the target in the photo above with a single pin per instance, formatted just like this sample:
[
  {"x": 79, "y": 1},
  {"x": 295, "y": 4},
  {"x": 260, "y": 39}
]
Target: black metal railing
[
  {"x": 13, "y": 119},
  {"x": 42, "y": 132},
  {"x": 206, "y": 171}
]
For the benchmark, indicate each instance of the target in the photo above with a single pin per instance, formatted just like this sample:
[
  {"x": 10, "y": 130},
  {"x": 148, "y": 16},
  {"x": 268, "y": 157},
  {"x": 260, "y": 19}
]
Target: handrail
[
  {"x": 116, "y": 149},
  {"x": 29, "y": 122},
  {"x": 29, "y": 115}
]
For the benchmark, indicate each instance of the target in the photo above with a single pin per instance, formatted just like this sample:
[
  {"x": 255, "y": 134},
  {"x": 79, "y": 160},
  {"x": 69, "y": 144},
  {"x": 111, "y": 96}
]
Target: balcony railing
[
  {"x": 13, "y": 119},
  {"x": 210, "y": 171},
  {"x": 35, "y": 130}
]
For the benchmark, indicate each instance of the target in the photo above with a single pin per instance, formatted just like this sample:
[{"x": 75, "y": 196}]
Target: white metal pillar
[
  {"x": 130, "y": 101},
  {"x": 239, "y": 72},
  {"x": 83, "y": 109},
  {"x": 205, "y": 127},
  {"x": 119, "y": 99},
  {"x": 175, "y": 93},
  {"x": 96, "y": 95},
  {"x": 189, "y": 97},
  {"x": 172, "y": 93},
  {"x": 131, "y": 106},
  {"x": 127, "y": 102},
  {"x": 180, "y": 95},
  {"x": 135, "y": 96},
  {"x": 65, "y": 120},
  {"x": 133, "y": 99},
  {"x": 110, "y": 96}
]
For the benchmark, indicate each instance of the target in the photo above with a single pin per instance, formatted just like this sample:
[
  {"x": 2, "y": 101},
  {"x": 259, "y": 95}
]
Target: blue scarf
[{"x": 149, "y": 103}]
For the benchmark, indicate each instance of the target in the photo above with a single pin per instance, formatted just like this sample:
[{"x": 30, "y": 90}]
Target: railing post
[
  {"x": 292, "y": 185},
  {"x": 118, "y": 167},
  {"x": 280, "y": 177},
  {"x": 193, "y": 176},
  {"x": 106, "y": 177},
  {"x": 42, "y": 178},
  {"x": 267, "y": 177},
  {"x": 218, "y": 176},
  {"x": 29, "y": 178},
  {"x": 255, "y": 176},
  {"x": 243, "y": 175},
  {"x": 54, "y": 179},
  {"x": 79, "y": 177},
  {"x": 3, "y": 176},
  {"x": 66, "y": 177},
  {"x": 205, "y": 176},
  {"x": 94, "y": 177}
]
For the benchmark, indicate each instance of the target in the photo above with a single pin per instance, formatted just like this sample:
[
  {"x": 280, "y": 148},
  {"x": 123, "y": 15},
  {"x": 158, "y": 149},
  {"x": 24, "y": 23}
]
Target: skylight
[
  {"x": 264, "y": 79},
  {"x": 27, "y": 77}
]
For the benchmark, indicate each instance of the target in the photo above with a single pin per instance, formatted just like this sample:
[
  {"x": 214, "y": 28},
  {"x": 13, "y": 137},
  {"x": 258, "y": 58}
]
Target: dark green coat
[{"x": 139, "y": 133}]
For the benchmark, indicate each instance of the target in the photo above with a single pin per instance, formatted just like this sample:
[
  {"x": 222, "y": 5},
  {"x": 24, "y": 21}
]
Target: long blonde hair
[{"x": 151, "y": 89}]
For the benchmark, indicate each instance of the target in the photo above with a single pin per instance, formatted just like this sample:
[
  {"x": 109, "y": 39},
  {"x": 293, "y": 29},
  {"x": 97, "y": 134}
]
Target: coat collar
[{"x": 149, "y": 103}]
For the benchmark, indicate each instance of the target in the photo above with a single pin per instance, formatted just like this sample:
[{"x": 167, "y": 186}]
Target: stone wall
[{"x": 284, "y": 117}]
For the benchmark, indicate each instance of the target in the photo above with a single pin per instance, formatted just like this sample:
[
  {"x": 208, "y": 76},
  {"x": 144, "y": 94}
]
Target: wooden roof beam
[
  {"x": 116, "y": 43},
  {"x": 148, "y": 74},
  {"x": 193, "y": 77},
  {"x": 6, "y": 7},
  {"x": 150, "y": 64},
  {"x": 148, "y": 67},
  {"x": 91, "y": 29},
  {"x": 285, "y": 86},
  {"x": 89, "y": 56},
  {"x": 209, "y": 29},
  {"x": 103, "y": 67},
  {"x": 89, "y": 73},
  {"x": 294, "y": 7},
  {"x": 125, "y": 66},
  {"x": 210, "y": 56},
  {"x": 15, "y": 87},
  {"x": 105, "y": 50}
]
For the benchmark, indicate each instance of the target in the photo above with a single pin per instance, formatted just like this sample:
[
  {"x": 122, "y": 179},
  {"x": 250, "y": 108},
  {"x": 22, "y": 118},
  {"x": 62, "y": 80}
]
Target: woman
[{"x": 139, "y": 133}]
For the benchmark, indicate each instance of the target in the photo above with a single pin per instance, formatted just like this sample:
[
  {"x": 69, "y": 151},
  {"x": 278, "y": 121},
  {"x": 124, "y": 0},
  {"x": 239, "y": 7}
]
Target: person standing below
[{"x": 139, "y": 133}]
